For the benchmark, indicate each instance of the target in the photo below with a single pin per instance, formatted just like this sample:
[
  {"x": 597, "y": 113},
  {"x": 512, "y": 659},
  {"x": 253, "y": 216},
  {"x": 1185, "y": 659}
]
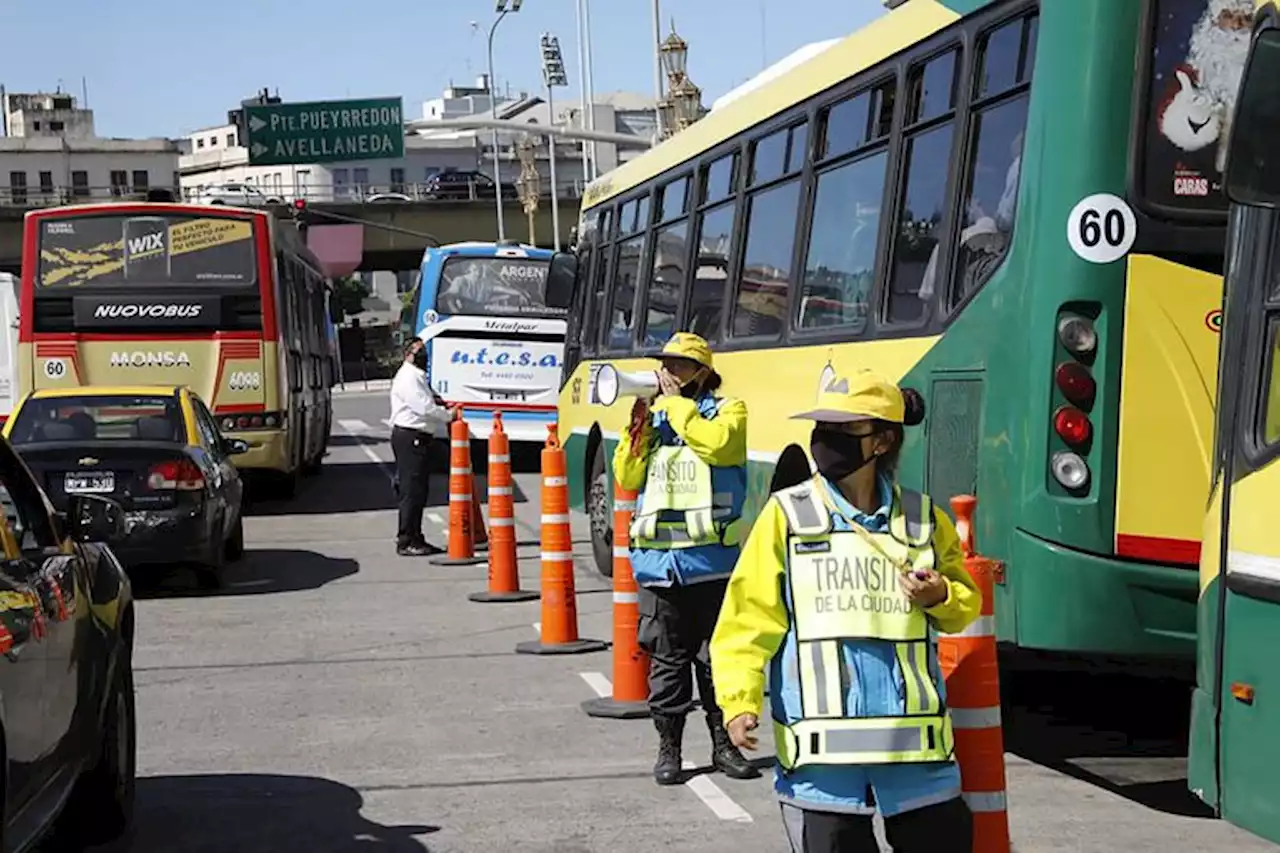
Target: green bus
[
  {"x": 1235, "y": 730},
  {"x": 1014, "y": 207}
]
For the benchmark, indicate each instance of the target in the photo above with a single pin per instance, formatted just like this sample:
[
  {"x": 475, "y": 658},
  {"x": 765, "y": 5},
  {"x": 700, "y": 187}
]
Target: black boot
[
  {"x": 667, "y": 771},
  {"x": 725, "y": 757}
]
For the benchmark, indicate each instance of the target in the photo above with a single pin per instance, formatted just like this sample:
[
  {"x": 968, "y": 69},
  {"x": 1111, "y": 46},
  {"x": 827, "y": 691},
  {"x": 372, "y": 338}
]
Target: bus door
[{"x": 1246, "y": 683}]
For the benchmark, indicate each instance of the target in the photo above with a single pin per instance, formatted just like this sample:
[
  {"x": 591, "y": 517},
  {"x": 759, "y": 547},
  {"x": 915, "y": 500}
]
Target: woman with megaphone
[{"x": 686, "y": 453}]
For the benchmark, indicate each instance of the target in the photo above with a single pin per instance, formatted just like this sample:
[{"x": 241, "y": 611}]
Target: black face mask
[
  {"x": 420, "y": 359},
  {"x": 837, "y": 454}
]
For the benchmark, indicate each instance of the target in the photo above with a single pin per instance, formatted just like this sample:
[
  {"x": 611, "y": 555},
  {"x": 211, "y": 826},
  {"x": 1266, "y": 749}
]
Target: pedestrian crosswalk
[{"x": 358, "y": 426}]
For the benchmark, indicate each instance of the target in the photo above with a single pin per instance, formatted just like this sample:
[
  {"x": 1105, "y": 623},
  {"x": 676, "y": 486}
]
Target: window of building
[
  {"x": 213, "y": 141},
  {"x": 231, "y": 140},
  {"x": 302, "y": 180},
  {"x": 673, "y": 199},
  {"x": 141, "y": 180},
  {"x": 711, "y": 272},
  {"x": 360, "y": 177},
  {"x": 840, "y": 265},
  {"x": 666, "y": 286},
  {"x": 57, "y": 125},
  {"x": 397, "y": 180},
  {"x": 622, "y": 311},
  {"x": 18, "y": 187},
  {"x": 341, "y": 181},
  {"x": 119, "y": 182},
  {"x": 46, "y": 182},
  {"x": 199, "y": 143},
  {"x": 720, "y": 179},
  {"x": 35, "y": 125},
  {"x": 80, "y": 184},
  {"x": 760, "y": 307}
]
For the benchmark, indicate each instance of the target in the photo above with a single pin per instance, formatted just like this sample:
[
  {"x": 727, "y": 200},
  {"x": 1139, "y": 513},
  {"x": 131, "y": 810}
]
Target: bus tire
[{"x": 600, "y": 512}]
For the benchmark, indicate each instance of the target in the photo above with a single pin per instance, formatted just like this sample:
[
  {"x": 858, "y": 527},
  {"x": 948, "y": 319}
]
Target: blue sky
[{"x": 159, "y": 68}]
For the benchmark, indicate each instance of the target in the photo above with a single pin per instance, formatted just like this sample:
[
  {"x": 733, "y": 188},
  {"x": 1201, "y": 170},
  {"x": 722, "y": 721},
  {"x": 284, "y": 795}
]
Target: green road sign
[{"x": 325, "y": 131}]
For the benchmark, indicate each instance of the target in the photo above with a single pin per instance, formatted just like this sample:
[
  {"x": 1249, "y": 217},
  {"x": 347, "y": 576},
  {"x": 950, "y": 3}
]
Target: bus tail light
[
  {"x": 1070, "y": 470},
  {"x": 180, "y": 475},
  {"x": 1072, "y": 425},
  {"x": 1076, "y": 383},
  {"x": 1077, "y": 335},
  {"x": 255, "y": 420}
]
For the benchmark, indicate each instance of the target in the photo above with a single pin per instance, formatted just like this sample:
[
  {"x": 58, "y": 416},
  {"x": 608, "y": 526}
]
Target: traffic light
[{"x": 301, "y": 216}]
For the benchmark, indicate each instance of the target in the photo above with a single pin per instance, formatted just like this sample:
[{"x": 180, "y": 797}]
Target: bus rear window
[
  {"x": 1198, "y": 49},
  {"x": 504, "y": 287},
  {"x": 114, "y": 249}
]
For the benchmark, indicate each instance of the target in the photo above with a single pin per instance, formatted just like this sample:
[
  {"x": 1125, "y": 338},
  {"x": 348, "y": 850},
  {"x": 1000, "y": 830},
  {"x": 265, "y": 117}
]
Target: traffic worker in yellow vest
[
  {"x": 687, "y": 456},
  {"x": 837, "y": 588}
]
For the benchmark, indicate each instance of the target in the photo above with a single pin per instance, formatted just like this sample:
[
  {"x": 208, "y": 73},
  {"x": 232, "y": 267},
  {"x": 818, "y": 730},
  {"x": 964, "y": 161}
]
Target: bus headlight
[{"x": 1069, "y": 469}]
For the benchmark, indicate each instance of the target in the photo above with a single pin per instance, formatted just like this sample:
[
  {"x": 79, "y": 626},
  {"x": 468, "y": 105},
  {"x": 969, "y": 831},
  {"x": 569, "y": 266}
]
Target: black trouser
[
  {"x": 942, "y": 828},
  {"x": 412, "y": 449},
  {"x": 675, "y": 629}
]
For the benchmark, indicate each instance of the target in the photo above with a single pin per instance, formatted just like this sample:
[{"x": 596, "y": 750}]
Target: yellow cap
[
  {"x": 859, "y": 396},
  {"x": 690, "y": 346}
]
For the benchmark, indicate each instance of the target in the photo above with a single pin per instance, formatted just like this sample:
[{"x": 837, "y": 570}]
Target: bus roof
[
  {"x": 143, "y": 207},
  {"x": 482, "y": 249},
  {"x": 892, "y": 32}
]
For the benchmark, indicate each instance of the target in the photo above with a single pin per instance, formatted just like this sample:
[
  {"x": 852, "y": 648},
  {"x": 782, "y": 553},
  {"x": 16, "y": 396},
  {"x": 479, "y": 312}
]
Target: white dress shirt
[{"x": 413, "y": 406}]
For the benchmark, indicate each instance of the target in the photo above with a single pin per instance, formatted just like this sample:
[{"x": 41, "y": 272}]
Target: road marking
[
  {"x": 537, "y": 626},
  {"x": 353, "y": 425},
  {"x": 709, "y": 792},
  {"x": 368, "y": 451},
  {"x": 387, "y": 421},
  {"x": 435, "y": 517}
]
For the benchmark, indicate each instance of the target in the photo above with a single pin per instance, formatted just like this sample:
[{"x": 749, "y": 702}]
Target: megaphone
[{"x": 610, "y": 384}]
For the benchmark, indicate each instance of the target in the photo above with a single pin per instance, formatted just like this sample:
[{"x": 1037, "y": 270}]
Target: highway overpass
[{"x": 393, "y": 248}]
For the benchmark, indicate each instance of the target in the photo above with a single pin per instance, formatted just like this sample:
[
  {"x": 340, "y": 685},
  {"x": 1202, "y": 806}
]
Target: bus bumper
[
  {"x": 520, "y": 426},
  {"x": 268, "y": 450},
  {"x": 1069, "y": 601}
]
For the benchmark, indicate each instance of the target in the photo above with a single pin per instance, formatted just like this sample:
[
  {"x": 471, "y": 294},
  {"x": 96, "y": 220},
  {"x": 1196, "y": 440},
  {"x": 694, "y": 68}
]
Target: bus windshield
[
  {"x": 115, "y": 249},
  {"x": 502, "y": 287},
  {"x": 1197, "y": 53}
]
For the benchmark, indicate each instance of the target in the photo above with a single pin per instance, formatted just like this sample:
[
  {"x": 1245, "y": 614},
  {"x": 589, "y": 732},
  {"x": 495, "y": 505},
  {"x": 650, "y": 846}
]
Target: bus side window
[
  {"x": 995, "y": 156},
  {"x": 1270, "y": 414},
  {"x": 596, "y": 284}
]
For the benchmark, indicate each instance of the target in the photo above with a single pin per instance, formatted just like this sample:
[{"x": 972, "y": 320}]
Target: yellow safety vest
[
  {"x": 844, "y": 589},
  {"x": 677, "y": 481}
]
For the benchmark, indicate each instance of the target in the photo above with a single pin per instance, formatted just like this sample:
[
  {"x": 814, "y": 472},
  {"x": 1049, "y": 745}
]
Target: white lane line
[
  {"x": 435, "y": 517},
  {"x": 353, "y": 425},
  {"x": 368, "y": 451},
  {"x": 709, "y": 792}
]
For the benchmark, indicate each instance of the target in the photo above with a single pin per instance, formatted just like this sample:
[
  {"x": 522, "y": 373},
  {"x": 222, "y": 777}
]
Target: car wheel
[
  {"x": 235, "y": 542},
  {"x": 102, "y": 804},
  {"x": 600, "y": 513}
]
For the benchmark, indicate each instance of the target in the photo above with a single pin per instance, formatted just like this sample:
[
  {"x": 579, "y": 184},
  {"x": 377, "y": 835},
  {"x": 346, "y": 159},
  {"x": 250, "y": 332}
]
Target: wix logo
[{"x": 147, "y": 243}]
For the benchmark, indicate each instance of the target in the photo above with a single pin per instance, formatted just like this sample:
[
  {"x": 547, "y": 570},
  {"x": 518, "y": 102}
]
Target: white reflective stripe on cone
[
  {"x": 557, "y": 557},
  {"x": 555, "y": 481},
  {"x": 975, "y": 718},
  {"x": 502, "y": 522},
  {"x": 460, "y": 497},
  {"x": 983, "y": 626},
  {"x": 626, "y": 598},
  {"x": 621, "y": 553},
  {"x": 624, "y": 506},
  {"x": 454, "y": 472},
  {"x": 985, "y": 801},
  {"x": 499, "y": 457},
  {"x": 555, "y": 518},
  {"x": 457, "y": 443},
  {"x": 500, "y": 490}
]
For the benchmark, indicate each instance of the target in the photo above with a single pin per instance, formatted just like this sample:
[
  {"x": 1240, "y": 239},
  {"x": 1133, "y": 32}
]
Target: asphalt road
[{"x": 336, "y": 697}]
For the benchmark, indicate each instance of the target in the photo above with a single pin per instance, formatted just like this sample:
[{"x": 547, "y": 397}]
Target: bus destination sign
[{"x": 324, "y": 131}]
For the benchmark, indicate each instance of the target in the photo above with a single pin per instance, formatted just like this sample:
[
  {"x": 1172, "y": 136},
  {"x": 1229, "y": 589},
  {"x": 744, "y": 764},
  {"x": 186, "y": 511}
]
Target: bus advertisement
[
  {"x": 227, "y": 302},
  {"x": 494, "y": 343},
  {"x": 1234, "y": 744},
  {"x": 1015, "y": 208}
]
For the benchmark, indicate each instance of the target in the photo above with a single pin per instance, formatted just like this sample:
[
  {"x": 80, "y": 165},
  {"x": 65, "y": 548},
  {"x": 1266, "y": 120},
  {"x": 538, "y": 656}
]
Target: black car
[
  {"x": 157, "y": 452},
  {"x": 465, "y": 185},
  {"x": 67, "y": 725}
]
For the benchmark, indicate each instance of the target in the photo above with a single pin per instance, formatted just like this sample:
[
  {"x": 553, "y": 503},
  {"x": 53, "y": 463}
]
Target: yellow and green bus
[
  {"x": 1014, "y": 207},
  {"x": 228, "y": 302},
  {"x": 1235, "y": 728}
]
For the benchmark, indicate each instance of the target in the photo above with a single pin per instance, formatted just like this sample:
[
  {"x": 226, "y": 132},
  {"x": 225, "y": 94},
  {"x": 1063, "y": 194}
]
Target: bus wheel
[{"x": 600, "y": 513}]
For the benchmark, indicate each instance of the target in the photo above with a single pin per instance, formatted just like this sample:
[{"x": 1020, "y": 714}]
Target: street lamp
[
  {"x": 675, "y": 56},
  {"x": 683, "y": 104},
  {"x": 503, "y": 7},
  {"x": 686, "y": 100},
  {"x": 553, "y": 75}
]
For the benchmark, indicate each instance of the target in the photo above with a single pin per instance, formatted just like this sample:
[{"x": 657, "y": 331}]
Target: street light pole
[
  {"x": 582, "y": 86},
  {"x": 493, "y": 107},
  {"x": 553, "y": 75},
  {"x": 590, "y": 73},
  {"x": 657, "y": 65}
]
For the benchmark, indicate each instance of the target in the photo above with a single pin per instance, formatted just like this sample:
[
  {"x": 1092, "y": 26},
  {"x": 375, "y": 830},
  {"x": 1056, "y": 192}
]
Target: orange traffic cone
[
  {"x": 461, "y": 502},
  {"x": 969, "y": 663},
  {"x": 630, "y": 699},
  {"x": 479, "y": 538},
  {"x": 559, "y": 598},
  {"x": 504, "y": 573}
]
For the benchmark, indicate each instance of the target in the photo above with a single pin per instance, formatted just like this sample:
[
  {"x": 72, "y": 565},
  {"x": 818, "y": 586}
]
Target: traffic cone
[
  {"x": 559, "y": 598},
  {"x": 630, "y": 699},
  {"x": 461, "y": 550},
  {"x": 969, "y": 663},
  {"x": 504, "y": 572},
  {"x": 479, "y": 538}
]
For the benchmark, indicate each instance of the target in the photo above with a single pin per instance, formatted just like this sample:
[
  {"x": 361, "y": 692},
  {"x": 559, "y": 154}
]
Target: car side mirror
[
  {"x": 561, "y": 279},
  {"x": 234, "y": 446},
  {"x": 93, "y": 518}
]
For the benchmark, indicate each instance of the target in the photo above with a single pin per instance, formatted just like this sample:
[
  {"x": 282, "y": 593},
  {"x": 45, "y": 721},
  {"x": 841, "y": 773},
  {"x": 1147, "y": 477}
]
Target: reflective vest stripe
[
  {"x": 824, "y": 679},
  {"x": 700, "y": 524},
  {"x": 876, "y": 740},
  {"x": 921, "y": 694}
]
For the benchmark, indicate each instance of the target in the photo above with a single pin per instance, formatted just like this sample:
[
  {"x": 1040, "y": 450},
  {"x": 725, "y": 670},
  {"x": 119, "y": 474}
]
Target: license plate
[
  {"x": 90, "y": 482},
  {"x": 507, "y": 396}
]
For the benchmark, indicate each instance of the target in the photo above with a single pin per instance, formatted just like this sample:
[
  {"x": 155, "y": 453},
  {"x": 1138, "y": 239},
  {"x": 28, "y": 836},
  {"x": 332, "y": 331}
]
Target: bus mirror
[
  {"x": 560, "y": 280},
  {"x": 1253, "y": 164}
]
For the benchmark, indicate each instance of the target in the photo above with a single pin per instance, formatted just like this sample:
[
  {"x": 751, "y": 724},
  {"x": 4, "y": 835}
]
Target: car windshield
[{"x": 98, "y": 418}]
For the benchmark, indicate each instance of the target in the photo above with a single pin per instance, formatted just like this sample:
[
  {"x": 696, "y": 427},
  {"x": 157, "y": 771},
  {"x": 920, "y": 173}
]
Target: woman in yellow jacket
[{"x": 836, "y": 590}]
